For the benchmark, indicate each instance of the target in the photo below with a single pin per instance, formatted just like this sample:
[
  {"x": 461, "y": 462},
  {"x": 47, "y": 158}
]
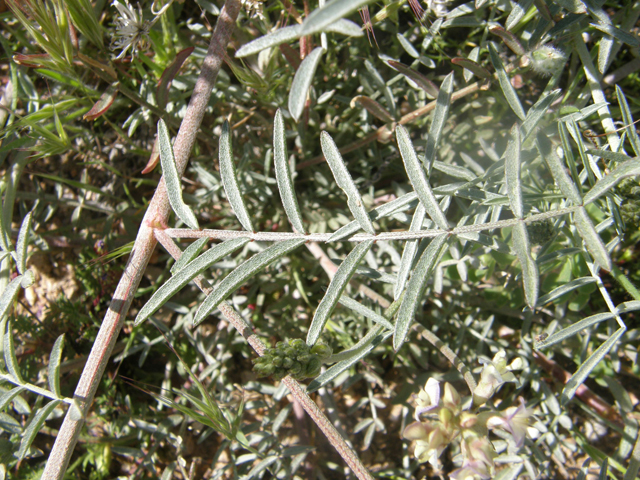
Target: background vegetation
[{"x": 82, "y": 96}]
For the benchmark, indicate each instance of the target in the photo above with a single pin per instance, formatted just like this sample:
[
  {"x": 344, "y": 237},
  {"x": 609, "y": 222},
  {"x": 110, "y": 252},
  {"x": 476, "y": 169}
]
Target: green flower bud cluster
[
  {"x": 541, "y": 232},
  {"x": 294, "y": 358},
  {"x": 629, "y": 190}
]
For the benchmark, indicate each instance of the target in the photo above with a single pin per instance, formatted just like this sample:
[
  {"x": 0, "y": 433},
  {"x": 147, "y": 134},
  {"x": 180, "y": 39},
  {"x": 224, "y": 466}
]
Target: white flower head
[
  {"x": 429, "y": 398},
  {"x": 547, "y": 60},
  {"x": 515, "y": 420},
  {"x": 495, "y": 373},
  {"x": 132, "y": 31}
]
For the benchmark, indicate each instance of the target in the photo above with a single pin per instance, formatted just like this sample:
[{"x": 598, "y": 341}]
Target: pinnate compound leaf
[
  {"x": 191, "y": 252},
  {"x": 241, "y": 274},
  {"x": 585, "y": 369},
  {"x": 53, "y": 374},
  {"x": 172, "y": 179},
  {"x": 34, "y": 427},
  {"x": 283, "y": 174},
  {"x": 512, "y": 173},
  {"x": 530, "y": 276},
  {"x": 345, "y": 182},
  {"x": 339, "y": 282},
  {"x": 415, "y": 172},
  {"x": 356, "y": 353},
  {"x": 592, "y": 240},
  {"x": 507, "y": 89},
  {"x": 439, "y": 118},
  {"x": 186, "y": 274},
  {"x": 409, "y": 252},
  {"x": 322, "y": 18},
  {"x": 626, "y": 169},
  {"x": 302, "y": 82},
  {"x": 229, "y": 179},
  {"x": 10, "y": 359},
  {"x": 415, "y": 289},
  {"x": 365, "y": 311},
  {"x": 22, "y": 243},
  {"x": 558, "y": 170}
]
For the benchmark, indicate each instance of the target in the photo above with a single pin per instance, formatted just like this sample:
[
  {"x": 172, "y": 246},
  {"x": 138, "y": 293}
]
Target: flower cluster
[
  {"x": 294, "y": 358},
  {"x": 441, "y": 419},
  {"x": 132, "y": 31},
  {"x": 546, "y": 60},
  {"x": 629, "y": 190}
]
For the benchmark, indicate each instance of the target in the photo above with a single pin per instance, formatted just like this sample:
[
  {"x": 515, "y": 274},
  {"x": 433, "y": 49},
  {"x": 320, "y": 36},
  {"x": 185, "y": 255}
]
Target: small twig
[
  {"x": 300, "y": 395},
  {"x": 450, "y": 355},
  {"x": 385, "y": 131}
]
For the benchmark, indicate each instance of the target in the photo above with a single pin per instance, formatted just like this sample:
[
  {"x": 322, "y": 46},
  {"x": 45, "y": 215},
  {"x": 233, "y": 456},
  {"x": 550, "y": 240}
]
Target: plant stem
[
  {"x": 312, "y": 409},
  {"x": 157, "y": 214}
]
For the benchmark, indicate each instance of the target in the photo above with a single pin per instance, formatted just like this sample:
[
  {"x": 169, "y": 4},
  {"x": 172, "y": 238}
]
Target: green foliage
[{"x": 462, "y": 210}]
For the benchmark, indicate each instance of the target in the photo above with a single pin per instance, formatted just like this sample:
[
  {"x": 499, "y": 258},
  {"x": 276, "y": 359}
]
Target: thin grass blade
[
  {"x": 172, "y": 179},
  {"x": 302, "y": 82},
  {"x": 415, "y": 289},
  {"x": 230, "y": 180},
  {"x": 186, "y": 274},
  {"x": 416, "y": 174},
  {"x": 505, "y": 84},
  {"x": 345, "y": 182},
  {"x": 585, "y": 369},
  {"x": 283, "y": 174},
  {"x": 346, "y": 270},
  {"x": 241, "y": 274}
]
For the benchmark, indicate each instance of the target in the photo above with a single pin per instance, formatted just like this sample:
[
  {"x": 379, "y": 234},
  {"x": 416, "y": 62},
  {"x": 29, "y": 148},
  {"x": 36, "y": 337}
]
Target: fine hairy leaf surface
[
  {"x": 302, "y": 82},
  {"x": 172, "y": 179},
  {"x": 283, "y": 174},
  {"x": 345, "y": 182},
  {"x": 242, "y": 273},
  {"x": 230, "y": 180},
  {"x": 334, "y": 292}
]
